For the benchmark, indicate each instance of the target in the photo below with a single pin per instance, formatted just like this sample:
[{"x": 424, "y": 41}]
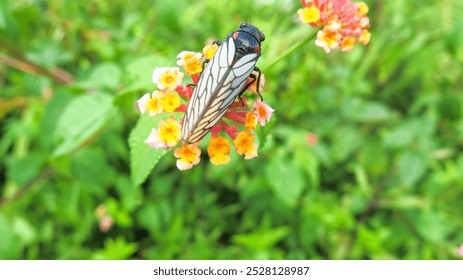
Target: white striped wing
[{"x": 217, "y": 88}]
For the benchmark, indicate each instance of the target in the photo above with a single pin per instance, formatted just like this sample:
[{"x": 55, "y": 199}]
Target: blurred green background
[{"x": 383, "y": 181}]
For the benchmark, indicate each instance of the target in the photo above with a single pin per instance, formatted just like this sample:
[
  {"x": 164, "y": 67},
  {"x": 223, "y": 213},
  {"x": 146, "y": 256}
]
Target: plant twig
[
  {"x": 290, "y": 51},
  {"x": 26, "y": 188},
  {"x": 57, "y": 75}
]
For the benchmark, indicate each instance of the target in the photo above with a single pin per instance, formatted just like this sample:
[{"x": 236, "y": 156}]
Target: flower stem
[{"x": 290, "y": 51}]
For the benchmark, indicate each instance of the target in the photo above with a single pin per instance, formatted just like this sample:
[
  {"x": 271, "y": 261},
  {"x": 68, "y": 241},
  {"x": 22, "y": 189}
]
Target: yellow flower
[
  {"x": 327, "y": 39},
  {"x": 347, "y": 44},
  {"x": 244, "y": 144},
  {"x": 364, "y": 37},
  {"x": 167, "y": 78},
  {"x": 218, "y": 150},
  {"x": 150, "y": 103},
  {"x": 309, "y": 14},
  {"x": 169, "y": 131},
  {"x": 187, "y": 156},
  {"x": 170, "y": 101},
  {"x": 190, "y": 61},
  {"x": 209, "y": 51},
  {"x": 251, "y": 120},
  {"x": 363, "y": 8},
  {"x": 167, "y": 136}
]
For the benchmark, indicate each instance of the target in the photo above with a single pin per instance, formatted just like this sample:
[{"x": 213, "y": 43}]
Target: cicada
[{"x": 225, "y": 77}]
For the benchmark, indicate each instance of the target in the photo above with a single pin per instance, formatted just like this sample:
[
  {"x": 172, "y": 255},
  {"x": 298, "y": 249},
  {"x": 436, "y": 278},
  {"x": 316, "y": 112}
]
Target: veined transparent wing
[{"x": 220, "y": 83}]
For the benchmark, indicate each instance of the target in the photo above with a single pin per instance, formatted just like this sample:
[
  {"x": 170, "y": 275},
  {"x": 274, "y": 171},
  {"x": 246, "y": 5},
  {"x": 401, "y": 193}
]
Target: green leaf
[
  {"x": 82, "y": 119},
  {"x": 23, "y": 169},
  {"x": 402, "y": 202},
  {"x": 90, "y": 166},
  {"x": 399, "y": 136},
  {"x": 105, "y": 76},
  {"x": 285, "y": 179},
  {"x": 138, "y": 77},
  {"x": 115, "y": 249},
  {"x": 140, "y": 71},
  {"x": 149, "y": 218},
  {"x": 432, "y": 226},
  {"x": 365, "y": 111},
  {"x": 10, "y": 247},
  {"x": 8, "y": 23},
  {"x": 345, "y": 140},
  {"x": 24, "y": 230},
  {"x": 51, "y": 116},
  {"x": 261, "y": 239},
  {"x": 143, "y": 158},
  {"x": 411, "y": 167}
]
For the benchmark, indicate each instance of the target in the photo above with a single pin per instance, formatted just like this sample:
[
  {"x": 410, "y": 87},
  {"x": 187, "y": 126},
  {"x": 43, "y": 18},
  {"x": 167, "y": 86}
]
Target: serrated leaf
[
  {"x": 143, "y": 158},
  {"x": 115, "y": 249},
  {"x": 82, "y": 118}
]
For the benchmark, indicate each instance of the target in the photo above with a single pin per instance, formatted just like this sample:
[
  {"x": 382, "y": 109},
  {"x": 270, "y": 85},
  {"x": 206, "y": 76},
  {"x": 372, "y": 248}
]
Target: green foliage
[{"x": 383, "y": 181}]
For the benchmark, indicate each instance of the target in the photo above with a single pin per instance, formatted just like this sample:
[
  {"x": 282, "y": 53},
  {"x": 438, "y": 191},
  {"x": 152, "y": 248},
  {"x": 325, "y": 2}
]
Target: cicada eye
[{"x": 244, "y": 24}]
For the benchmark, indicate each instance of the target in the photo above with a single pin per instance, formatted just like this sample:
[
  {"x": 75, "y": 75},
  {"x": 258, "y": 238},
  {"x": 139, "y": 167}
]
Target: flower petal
[{"x": 142, "y": 102}]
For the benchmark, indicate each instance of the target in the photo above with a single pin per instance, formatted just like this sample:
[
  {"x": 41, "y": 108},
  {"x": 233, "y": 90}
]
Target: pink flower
[
  {"x": 460, "y": 250},
  {"x": 312, "y": 139},
  {"x": 263, "y": 112}
]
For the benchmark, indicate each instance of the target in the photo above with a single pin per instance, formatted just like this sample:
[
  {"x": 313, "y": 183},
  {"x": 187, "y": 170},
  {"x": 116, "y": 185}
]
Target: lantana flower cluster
[
  {"x": 343, "y": 23},
  {"x": 172, "y": 96}
]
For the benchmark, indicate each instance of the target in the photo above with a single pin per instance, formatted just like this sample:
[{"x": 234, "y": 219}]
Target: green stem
[{"x": 290, "y": 51}]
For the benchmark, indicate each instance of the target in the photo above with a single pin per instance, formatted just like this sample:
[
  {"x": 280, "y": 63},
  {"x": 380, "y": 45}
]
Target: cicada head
[{"x": 251, "y": 29}]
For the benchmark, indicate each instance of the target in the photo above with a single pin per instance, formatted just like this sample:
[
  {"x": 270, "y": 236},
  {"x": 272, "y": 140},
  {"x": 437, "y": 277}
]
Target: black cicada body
[{"x": 224, "y": 78}]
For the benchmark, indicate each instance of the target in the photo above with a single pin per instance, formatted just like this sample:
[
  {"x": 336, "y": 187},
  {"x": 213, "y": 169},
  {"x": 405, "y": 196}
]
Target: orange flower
[
  {"x": 347, "y": 44},
  {"x": 244, "y": 144},
  {"x": 251, "y": 120},
  {"x": 218, "y": 150},
  {"x": 187, "y": 156}
]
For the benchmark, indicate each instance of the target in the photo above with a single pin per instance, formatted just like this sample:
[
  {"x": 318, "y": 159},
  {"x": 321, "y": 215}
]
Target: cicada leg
[{"x": 253, "y": 79}]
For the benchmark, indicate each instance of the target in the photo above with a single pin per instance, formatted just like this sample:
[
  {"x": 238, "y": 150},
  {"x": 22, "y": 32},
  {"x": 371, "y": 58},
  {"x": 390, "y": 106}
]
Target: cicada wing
[{"x": 219, "y": 84}]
